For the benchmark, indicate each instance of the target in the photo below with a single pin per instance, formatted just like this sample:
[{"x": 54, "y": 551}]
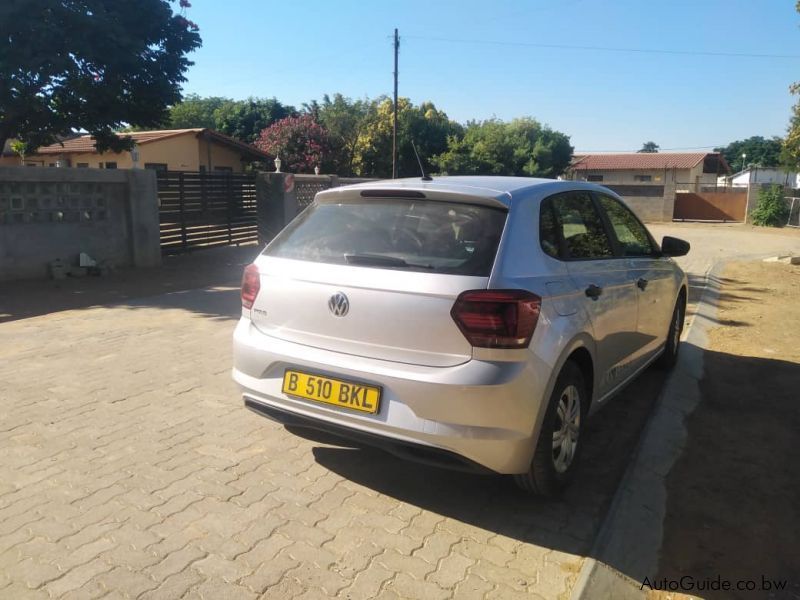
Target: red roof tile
[
  {"x": 85, "y": 143},
  {"x": 638, "y": 161}
]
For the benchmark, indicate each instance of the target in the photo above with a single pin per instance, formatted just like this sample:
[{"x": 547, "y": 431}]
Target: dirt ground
[{"x": 733, "y": 508}]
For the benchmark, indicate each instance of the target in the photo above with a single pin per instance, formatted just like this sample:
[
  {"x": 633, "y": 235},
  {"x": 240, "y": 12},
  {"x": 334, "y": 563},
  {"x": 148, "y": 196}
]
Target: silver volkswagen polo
[{"x": 467, "y": 322}]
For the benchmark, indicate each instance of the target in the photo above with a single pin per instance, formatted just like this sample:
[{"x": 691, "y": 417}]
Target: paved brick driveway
[{"x": 128, "y": 468}]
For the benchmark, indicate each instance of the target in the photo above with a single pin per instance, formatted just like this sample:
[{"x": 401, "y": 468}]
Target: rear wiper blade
[{"x": 382, "y": 259}]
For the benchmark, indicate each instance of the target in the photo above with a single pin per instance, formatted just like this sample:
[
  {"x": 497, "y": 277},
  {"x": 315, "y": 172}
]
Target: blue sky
[{"x": 298, "y": 51}]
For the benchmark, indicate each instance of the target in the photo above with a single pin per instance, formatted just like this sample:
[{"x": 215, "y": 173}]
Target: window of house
[
  {"x": 574, "y": 226},
  {"x": 630, "y": 232},
  {"x": 643, "y": 178},
  {"x": 161, "y": 167},
  {"x": 111, "y": 165},
  {"x": 224, "y": 169},
  {"x": 594, "y": 178},
  {"x": 82, "y": 165}
]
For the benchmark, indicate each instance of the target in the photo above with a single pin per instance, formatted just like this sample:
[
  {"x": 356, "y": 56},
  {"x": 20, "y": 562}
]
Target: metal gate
[
  {"x": 710, "y": 206},
  {"x": 203, "y": 210}
]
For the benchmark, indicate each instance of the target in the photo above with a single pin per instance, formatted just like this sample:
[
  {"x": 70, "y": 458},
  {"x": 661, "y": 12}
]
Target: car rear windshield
[{"x": 410, "y": 235}]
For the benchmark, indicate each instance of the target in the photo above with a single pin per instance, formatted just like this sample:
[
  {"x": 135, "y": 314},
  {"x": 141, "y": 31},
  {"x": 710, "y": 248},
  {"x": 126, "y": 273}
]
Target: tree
[
  {"x": 790, "y": 150},
  {"x": 764, "y": 152},
  {"x": 241, "y": 119},
  {"x": 772, "y": 210},
  {"x": 519, "y": 147},
  {"x": 196, "y": 111},
  {"x": 246, "y": 119},
  {"x": 21, "y": 149},
  {"x": 92, "y": 65},
  {"x": 649, "y": 148},
  {"x": 345, "y": 121},
  {"x": 300, "y": 142},
  {"x": 427, "y": 127}
]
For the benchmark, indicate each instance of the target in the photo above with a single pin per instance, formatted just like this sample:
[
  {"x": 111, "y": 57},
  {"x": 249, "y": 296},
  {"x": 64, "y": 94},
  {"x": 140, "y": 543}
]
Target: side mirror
[{"x": 671, "y": 246}]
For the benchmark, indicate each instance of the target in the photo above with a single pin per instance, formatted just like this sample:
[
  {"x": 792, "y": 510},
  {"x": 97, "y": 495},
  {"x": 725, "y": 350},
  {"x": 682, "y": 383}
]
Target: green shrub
[{"x": 772, "y": 210}]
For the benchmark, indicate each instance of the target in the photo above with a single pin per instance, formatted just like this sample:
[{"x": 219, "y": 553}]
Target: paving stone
[
  {"x": 175, "y": 562},
  {"x": 214, "y": 566},
  {"x": 451, "y": 570},
  {"x": 269, "y": 573},
  {"x": 408, "y": 587},
  {"x": 127, "y": 582},
  {"x": 367, "y": 583},
  {"x": 77, "y": 577}
]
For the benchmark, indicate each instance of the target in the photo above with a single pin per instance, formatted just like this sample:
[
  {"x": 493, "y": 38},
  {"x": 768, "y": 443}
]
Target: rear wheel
[
  {"x": 559, "y": 443},
  {"x": 669, "y": 357}
]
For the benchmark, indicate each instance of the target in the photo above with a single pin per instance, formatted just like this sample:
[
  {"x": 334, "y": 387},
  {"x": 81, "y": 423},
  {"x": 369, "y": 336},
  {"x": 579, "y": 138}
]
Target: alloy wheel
[{"x": 567, "y": 428}]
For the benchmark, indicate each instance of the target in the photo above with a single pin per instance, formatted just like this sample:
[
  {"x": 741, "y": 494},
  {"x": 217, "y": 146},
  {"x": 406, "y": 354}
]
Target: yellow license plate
[{"x": 356, "y": 396}]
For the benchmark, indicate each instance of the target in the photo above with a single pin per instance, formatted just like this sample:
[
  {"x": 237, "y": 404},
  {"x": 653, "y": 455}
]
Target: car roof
[{"x": 503, "y": 189}]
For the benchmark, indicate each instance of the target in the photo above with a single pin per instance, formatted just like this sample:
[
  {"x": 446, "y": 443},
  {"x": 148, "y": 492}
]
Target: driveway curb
[{"x": 626, "y": 549}]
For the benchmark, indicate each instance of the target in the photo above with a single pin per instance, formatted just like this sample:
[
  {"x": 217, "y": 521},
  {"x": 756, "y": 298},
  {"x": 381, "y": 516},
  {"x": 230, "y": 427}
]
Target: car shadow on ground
[
  {"x": 732, "y": 495},
  {"x": 217, "y": 268},
  {"x": 568, "y": 523},
  {"x": 745, "y": 469}
]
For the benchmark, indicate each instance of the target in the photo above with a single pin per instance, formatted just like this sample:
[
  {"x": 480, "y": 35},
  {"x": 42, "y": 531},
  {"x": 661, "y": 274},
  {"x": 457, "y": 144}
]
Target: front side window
[
  {"x": 403, "y": 234},
  {"x": 575, "y": 226},
  {"x": 630, "y": 232}
]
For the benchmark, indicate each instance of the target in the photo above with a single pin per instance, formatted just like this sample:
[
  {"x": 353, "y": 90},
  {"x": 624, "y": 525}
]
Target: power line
[
  {"x": 602, "y": 48},
  {"x": 660, "y": 149}
]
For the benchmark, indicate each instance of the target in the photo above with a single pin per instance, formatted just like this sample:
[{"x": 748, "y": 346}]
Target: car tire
[
  {"x": 672, "y": 346},
  {"x": 553, "y": 467}
]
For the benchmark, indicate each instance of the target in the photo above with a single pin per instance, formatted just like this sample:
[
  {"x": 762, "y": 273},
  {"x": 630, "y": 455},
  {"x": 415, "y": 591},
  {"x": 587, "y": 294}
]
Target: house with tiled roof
[
  {"x": 170, "y": 149},
  {"x": 649, "y": 182},
  {"x": 688, "y": 170}
]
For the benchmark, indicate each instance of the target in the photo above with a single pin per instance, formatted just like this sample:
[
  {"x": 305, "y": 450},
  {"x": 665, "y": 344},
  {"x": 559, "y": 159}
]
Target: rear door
[
  {"x": 608, "y": 292},
  {"x": 378, "y": 277},
  {"x": 653, "y": 274}
]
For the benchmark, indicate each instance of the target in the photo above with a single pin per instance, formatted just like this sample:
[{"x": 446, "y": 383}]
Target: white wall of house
[
  {"x": 632, "y": 177},
  {"x": 684, "y": 178},
  {"x": 767, "y": 175}
]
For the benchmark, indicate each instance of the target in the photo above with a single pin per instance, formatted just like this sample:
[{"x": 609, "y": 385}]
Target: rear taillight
[
  {"x": 497, "y": 318},
  {"x": 251, "y": 284}
]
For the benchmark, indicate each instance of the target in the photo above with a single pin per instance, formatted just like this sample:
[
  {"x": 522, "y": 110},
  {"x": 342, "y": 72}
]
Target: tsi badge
[{"x": 339, "y": 305}]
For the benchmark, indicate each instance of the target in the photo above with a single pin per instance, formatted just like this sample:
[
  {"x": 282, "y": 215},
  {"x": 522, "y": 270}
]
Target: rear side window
[
  {"x": 571, "y": 228},
  {"x": 631, "y": 234},
  {"x": 411, "y": 235}
]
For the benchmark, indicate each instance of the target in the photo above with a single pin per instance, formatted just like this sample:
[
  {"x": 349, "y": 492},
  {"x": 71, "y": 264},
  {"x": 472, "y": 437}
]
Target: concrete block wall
[
  {"x": 50, "y": 213},
  {"x": 649, "y": 209}
]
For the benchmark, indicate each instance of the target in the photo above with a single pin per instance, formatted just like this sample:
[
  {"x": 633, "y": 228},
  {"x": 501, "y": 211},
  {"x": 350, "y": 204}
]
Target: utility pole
[{"x": 394, "y": 117}]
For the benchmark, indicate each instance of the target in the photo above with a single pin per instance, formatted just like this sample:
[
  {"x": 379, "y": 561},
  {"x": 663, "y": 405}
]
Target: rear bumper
[
  {"x": 481, "y": 414},
  {"x": 408, "y": 450}
]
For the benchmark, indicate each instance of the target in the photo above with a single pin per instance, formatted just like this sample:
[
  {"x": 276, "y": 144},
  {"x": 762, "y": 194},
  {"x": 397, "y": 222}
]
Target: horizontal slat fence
[{"x": 204, "y": 210}]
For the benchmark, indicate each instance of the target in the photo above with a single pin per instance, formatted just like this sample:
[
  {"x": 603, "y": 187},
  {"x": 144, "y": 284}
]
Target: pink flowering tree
[{"x": 300, "y": 142}]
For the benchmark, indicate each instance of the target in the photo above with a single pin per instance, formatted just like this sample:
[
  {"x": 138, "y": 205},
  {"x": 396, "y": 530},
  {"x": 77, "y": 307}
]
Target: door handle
[
  {"x": 641, "y": 283},
  {"x": 593, "y": 292}
]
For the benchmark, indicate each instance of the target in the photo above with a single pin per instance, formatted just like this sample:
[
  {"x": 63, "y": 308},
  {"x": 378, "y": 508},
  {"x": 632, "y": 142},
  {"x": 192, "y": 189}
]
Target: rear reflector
[
  {"x": 251, "y": 284},
  {"x": 497, "y": 318}
]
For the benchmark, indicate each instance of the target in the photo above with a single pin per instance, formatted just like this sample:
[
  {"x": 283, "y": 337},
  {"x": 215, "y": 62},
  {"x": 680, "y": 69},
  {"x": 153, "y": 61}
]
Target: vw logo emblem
[{"x": 339, "y": 305}]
